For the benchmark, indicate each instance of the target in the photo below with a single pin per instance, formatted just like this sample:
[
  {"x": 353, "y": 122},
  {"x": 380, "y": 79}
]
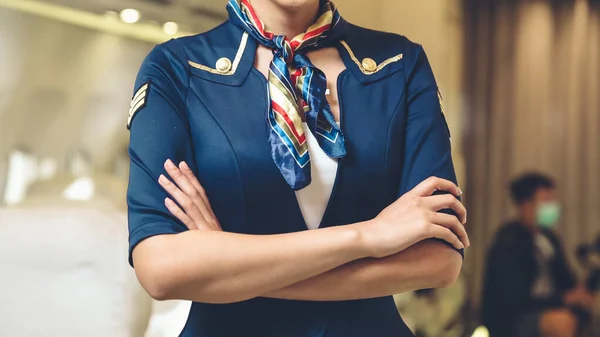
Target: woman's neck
[{"x": 289, "y": 21}]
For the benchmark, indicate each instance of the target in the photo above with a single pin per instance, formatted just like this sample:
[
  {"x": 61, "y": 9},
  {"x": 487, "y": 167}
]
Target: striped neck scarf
[{"x": 295, "y": 87}]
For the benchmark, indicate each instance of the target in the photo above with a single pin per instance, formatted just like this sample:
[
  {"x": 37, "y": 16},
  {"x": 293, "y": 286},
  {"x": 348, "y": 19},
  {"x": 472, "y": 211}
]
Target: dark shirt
[
  {"x": 396, "y": 137},
  {"x": 511, "y": 270}
]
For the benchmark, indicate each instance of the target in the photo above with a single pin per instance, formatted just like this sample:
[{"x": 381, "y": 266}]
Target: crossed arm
[
  {"x": 339, "y": 263},
  {"x": 427, "y": 264}
]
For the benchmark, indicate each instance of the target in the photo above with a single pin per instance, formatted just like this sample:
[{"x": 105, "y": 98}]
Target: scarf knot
[{"x": 284, "y": 48}]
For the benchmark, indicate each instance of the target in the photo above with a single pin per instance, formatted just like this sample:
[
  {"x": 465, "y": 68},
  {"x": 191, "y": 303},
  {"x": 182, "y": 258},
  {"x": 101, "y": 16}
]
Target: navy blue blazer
[{"x": 185, "y": 108}]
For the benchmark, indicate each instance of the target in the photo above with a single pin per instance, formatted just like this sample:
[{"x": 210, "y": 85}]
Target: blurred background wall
[
  {"x": 532, "y": 79},
  {"x": 64, "y": 88}
]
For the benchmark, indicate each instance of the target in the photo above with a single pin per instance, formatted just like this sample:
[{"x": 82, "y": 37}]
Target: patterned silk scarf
[{"x": 295, "y": 87}]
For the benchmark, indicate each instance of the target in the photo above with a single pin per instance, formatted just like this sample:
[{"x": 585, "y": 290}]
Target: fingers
[
  {"x": 189, "y": 185},
  {"x": 432, "y": 184},
  {"x": 179, "y": 214},
  {"x": 189, "y": 207},
  {"x": 187, "y": 171},
  {"x": 445, "y": 201},
  {"x": 447, "y": 235},
  {"x": 453, "y": 224},
  {"x": 187, "y": 189},
  {"x": 180, "y": 179}
]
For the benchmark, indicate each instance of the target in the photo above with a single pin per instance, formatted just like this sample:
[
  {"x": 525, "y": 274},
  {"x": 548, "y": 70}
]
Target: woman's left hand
[{"x": 187, "y": 191}]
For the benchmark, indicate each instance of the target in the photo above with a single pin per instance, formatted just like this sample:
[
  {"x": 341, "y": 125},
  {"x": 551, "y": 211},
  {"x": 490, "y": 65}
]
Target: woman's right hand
[
  {"x": 195, "y": 211},
  {"x": 414, "y": 217}
]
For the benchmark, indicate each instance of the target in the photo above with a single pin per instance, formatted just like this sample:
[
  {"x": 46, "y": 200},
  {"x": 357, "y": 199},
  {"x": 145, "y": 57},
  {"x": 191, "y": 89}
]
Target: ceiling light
[
  {"x": 170, "y": 28},
  {"x": 130, "y": 15}
]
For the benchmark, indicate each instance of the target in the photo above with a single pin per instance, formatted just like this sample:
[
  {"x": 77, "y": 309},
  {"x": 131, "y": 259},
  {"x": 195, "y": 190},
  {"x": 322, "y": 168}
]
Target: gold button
[
  {"x": 369, "y": 64},
  {"x": 223, "y": 65}
]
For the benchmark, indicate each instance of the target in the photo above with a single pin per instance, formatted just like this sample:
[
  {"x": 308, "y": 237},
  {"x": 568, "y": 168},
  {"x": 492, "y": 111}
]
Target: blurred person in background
[
  {"x": 274, "y": 243},
  {"x": 529, "y": 288}
]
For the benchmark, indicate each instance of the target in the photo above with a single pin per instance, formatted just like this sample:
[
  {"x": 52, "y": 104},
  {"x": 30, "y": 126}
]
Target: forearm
[
  {"x": 221, "y": 267},
  {"x": 428, "y": 264}
]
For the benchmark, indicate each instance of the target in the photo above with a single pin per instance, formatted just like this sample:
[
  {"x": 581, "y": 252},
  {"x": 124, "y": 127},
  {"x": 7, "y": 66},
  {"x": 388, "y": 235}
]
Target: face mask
[{"x": 548, "y": 214}]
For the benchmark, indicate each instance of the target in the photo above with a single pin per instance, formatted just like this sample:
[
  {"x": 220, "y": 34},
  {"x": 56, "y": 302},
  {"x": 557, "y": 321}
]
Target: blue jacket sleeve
[
  {"x": 159, "y": 130},
  {"x": 427, "y": 149}
]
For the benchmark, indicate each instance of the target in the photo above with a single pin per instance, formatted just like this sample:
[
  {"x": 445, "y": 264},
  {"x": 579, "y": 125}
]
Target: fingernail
[
  {"x": 169, "y": 164},
  {"x": 184, "y": 166},
  {"x": 162, "y": 179},
  {"x": 460, "y": 192},
  {"x": 168, "y": 202}
]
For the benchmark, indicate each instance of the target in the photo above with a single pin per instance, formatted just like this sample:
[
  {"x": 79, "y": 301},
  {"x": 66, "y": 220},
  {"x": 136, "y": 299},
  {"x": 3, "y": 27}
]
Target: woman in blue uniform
[{"x": 288, "y": 170}]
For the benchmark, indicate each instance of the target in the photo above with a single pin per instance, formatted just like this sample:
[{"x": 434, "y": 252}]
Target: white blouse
[{"x": 313, "y": 199}]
